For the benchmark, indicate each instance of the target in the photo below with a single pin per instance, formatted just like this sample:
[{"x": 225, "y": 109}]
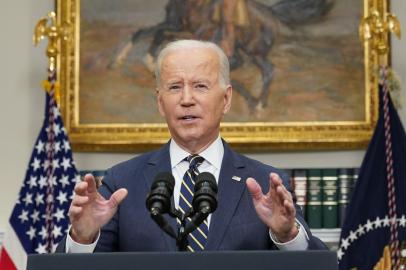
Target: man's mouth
[{"x": 188, "y": 117}]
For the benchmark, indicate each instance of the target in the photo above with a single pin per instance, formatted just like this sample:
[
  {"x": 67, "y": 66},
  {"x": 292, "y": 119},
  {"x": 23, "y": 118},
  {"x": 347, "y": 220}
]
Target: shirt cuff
[
  {"x": 300, "y": 242},
  {"x": 74, "y": 247}
]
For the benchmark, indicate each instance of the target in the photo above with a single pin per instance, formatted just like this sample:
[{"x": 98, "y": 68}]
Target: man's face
[{"x": 190, "y": 97}]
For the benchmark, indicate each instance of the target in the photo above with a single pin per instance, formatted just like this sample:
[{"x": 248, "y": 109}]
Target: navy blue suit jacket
[{"x": 234, "y": 225}]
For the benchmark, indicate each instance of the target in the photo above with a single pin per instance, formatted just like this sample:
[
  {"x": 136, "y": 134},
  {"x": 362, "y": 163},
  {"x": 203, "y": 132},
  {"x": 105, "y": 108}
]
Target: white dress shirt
[{"x": 213, "y": 157}]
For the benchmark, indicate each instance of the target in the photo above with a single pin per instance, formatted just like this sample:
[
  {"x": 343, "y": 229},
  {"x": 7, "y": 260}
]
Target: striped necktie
[{"x": 196, "y": 239}]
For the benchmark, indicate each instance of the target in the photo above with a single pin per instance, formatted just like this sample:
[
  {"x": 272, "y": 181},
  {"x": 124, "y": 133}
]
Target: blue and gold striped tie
[{"x": 196, "y": 239}]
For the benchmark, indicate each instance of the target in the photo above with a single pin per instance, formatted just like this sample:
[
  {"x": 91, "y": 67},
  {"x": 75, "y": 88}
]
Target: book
[
  {"x": 345, "y": 187},
  {"x": 329, "y": 200},
  {"x": 355, "y": 176},
  {"x": 299, "y": 177},
  {"x": 314, "y": 199}
]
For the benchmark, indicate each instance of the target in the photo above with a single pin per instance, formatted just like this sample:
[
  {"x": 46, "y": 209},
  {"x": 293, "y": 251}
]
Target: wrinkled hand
[
  {"x": 89, "y": 211},
  {"x": 275, "y": 208}
]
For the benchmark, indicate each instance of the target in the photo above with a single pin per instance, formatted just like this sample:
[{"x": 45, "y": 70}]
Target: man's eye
[
  {"x": 174, "y": 87},
  {"x": 201, "y": 86}
]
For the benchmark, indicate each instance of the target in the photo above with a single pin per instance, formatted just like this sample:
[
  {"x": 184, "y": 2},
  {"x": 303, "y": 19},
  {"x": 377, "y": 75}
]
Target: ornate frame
[{"x": 252, "y": 136}]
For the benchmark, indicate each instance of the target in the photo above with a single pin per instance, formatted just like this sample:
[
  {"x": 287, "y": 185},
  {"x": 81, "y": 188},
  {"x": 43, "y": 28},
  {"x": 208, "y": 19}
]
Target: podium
[{"x": 213, "y": 260}]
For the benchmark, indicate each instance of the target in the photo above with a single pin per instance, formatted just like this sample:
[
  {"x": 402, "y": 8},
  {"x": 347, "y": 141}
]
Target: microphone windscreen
[
  {"x": 206, "y": 178},
  {"x": 165, "y": 177}
]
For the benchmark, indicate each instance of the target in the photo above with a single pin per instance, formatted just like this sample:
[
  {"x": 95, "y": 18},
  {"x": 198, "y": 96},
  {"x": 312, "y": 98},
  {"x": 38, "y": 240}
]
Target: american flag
[{"x": 39, "y": 219}]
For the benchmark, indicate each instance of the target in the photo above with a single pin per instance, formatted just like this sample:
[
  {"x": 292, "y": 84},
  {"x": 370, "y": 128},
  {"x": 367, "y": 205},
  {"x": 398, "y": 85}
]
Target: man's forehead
[{"x": 198, "y": 56}]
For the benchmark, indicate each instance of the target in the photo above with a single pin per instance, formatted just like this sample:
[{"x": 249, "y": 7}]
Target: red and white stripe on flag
[{"x": 13, "y": 255}]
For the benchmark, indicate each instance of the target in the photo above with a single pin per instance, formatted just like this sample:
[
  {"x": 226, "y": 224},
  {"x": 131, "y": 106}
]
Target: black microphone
[
  {"x": 204, "y": 202},
  {"x": 205, "y": 197},
  {"x": 159, "y": 198}
]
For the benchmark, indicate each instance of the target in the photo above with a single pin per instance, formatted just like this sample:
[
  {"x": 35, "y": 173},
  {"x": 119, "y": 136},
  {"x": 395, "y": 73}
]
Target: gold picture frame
[{"x": 246, "y": 136}]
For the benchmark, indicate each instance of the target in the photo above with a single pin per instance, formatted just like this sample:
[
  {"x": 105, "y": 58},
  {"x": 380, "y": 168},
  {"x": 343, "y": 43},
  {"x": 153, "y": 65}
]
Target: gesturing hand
[
  {"x": 89, "y": 211},
  {"x": 275, "y": 208}
]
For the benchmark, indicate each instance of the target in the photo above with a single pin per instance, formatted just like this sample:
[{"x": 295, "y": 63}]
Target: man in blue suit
[{"x": 193, "y": 94}]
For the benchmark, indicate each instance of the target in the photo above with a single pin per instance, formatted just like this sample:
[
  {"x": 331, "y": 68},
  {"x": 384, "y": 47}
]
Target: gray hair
[{"x": 224, "y": 70}]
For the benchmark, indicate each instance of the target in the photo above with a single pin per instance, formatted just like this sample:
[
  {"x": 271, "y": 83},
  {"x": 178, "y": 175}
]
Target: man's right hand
[{"x": 89, "y": 210}]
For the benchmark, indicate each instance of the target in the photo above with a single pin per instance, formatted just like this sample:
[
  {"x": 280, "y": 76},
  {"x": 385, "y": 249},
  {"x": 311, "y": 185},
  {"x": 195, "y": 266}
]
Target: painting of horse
[{"x": 291, "y": 60}]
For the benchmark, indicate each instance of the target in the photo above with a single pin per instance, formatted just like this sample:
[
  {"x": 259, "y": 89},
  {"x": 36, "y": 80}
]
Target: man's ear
[
  {"x": 159, "y": 102},
  {"x": 227, "y": 99}
]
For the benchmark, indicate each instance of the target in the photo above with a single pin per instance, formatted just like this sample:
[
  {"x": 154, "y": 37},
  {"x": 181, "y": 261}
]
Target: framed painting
[{"x": 301, "y": 77}]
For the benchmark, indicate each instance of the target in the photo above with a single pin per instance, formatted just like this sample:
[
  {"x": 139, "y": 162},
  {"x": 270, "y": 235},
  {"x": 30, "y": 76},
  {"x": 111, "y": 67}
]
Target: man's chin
[{"x": 189, "y": 139}]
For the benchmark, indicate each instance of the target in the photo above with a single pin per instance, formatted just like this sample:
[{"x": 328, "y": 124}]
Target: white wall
[{"x": 23, "y": 67}]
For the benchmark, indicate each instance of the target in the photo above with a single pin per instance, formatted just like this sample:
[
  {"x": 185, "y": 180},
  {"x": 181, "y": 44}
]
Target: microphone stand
[
  {"x": 196, "y": 218},
  {"x": 195, "y": 221},
  {"x": 162, "y": 223}
]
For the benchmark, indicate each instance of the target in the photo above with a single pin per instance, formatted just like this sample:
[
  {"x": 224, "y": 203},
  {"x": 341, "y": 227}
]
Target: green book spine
[
  {"x": 330, "y": 199},
  {"x": 314, "y": 198},
  {"x": 345, "y": 185},
  {"x": 300, "y": 188},
  {"x": 354, "y": 178}
]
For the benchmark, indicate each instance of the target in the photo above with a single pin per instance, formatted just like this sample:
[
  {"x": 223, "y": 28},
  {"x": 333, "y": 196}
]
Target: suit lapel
[
  {"x": 160, "y": 162},
  {"x": 229, "y": 195}
]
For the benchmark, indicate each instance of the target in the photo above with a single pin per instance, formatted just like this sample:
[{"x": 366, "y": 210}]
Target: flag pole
[
  {"x": 47, "y": 27},
  {"x": 39, "y": 218},
  {"x": 375, "y": 30}
]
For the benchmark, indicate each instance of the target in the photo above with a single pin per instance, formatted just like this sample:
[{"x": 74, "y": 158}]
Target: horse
[{"x": 245, "y": 29}]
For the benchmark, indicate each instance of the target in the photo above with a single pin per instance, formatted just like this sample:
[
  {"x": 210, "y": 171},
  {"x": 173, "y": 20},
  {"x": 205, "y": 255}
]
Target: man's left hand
[{"x": 275, "y": 208}]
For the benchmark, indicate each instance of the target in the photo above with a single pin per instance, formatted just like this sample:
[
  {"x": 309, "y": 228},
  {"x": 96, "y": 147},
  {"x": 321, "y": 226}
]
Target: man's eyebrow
[
  {"x": 201, "y": 81},
  {"x": 173, "y": 82}
]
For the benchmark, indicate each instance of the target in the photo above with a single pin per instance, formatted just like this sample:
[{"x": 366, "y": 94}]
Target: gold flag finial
[
  {"x": 376, "y": 28},
  {"x": 48, "y": 27},
  {"x": 54, "y": 32}
]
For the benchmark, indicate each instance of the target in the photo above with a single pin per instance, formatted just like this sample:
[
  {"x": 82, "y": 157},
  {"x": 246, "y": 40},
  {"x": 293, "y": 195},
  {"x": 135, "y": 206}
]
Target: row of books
[{"x": 323, "y": 194}]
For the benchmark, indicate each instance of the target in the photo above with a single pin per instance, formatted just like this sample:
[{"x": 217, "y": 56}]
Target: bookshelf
[
  {"x": 330, "y": 237},
  {"x": 324, "y": 194}
]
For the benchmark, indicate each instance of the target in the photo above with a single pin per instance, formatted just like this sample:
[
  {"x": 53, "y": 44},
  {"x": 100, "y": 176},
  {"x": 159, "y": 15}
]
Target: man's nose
[{"x": 187, "y": 98}]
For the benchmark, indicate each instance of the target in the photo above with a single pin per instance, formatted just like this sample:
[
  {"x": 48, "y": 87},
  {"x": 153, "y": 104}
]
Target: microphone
[
  {"x": 204, "y": 202},
  {"x": 159, "y": 198},
  {"x": 205, "y": 197}
]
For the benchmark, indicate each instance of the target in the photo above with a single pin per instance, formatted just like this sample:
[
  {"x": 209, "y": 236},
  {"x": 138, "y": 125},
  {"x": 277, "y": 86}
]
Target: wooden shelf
[
  {"x": 327, "y": 235},
  {"x": 330, "y": 237}
]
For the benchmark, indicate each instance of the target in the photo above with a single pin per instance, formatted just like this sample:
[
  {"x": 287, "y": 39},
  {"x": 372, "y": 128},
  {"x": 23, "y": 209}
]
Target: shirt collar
[{"x": 212, "y": 154}]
